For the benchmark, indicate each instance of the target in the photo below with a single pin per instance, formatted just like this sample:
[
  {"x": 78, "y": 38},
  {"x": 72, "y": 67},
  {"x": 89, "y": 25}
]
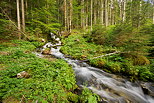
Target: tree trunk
[
  {"x": 23, "y": 15},
  {"x": 106, "y": 13},
  {"x": 65, "y": 14},
  {"x": 140, "y": 13},
  {"x": 124, "y": 10},
  {"x": 70, "y": 16},
  {"x": 120, "y": 9},
  {"x": 102, "y": 12},
  {"x": 82, "y": 15},
  {"x": 153, "y": 12},
  {"x": 91, "y": 12},
  {"x": 18, "y": 19},
  {"x": 95, "y": 12}
]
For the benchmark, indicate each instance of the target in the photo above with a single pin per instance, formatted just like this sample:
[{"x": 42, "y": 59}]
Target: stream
[{"x": 111, "y": 88}]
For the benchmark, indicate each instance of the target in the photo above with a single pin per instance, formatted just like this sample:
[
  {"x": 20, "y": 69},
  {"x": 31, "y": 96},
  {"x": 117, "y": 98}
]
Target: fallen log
[{"x": 103, "y": 55}]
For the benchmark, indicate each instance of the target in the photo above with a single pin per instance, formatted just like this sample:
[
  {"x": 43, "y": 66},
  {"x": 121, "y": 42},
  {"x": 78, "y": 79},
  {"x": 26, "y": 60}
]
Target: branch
[
  {"x": 104, "y": 55},
  {"x": 13, "y": 22}
]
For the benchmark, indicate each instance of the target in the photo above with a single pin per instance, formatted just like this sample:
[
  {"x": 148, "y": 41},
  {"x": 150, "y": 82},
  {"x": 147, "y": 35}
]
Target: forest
[{"x": 48, "y": 47}]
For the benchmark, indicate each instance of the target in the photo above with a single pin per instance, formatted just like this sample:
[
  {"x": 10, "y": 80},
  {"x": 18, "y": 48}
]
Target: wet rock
[
  {"x": 148, "y": 88},
  {"x": 46, "y": 51},
  {"x": 83, "y": 56},
  {"x": 23, "y": 74},
  {"x": 43, "y": 40}
]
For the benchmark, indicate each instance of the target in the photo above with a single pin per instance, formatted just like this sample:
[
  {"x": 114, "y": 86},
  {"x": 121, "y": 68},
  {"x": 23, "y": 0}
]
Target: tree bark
[
  {"x": 70, "y": 16},
  {"x": 102, "y": 12},
  {"x": 106, "y": 13},
  {"x": 18, "y": 19},
  {"x": 124, "y": 10},
  {"x": 82, "y": 15},
  {"x": 91, "y": 12},
  {"x": 65, "y": 14},
  {"x": 153, "y": 12},
  {"x": 23, "y": 15}
]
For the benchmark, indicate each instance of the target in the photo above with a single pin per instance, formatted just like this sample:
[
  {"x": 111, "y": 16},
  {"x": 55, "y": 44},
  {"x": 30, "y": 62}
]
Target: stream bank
[
  {"x": 50, "y": 79},
  {"x": 108, "y": 86}
]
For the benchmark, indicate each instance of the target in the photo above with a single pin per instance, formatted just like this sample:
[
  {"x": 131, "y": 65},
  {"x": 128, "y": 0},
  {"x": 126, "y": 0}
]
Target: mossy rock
[
  {"x": 98, "y": 63},
  {"x": 72, "y": 97},
  {"x": 46, "y": 51},
  {"x": 83, "y": 57},
  {"x": 137, "y": 59},
  {"x": 101, "y": 63}
]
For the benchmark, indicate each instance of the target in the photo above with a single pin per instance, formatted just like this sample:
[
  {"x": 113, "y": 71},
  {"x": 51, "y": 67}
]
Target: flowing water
[{"x": 111, "y": 88}]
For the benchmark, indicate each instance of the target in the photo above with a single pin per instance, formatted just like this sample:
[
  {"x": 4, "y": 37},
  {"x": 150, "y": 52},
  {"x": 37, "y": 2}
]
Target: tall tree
[
  {"x": 23, "y": 15},
  {"x": 70, "y": 15},
  {"x": 91, "y": 17},
  {"x": 18, "y": 19},
  {"x": 106, "y": 13},
  {"x": 102, "y": 12},
  {"x": 65, "y": 14}
]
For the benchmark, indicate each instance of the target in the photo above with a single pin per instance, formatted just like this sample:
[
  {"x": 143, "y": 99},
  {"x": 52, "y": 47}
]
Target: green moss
[
  {"x": 99, "y": 62},
  {"x": 137, "y": 59}
]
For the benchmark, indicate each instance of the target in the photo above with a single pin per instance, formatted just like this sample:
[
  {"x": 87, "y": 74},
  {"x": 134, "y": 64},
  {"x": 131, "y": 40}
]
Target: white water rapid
[{"x": 111, "y": 88}]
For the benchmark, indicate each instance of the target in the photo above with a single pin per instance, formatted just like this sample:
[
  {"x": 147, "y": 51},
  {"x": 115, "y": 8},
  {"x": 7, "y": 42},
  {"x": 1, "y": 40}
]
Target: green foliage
[
  {"x": 48, "y": 82},
  {"x": 46, "y": 27},
  {"x": 7, "y": 29},
  {"x": 114, "y": 67},
  {"x": 88, "y": 97},
  {"x": 77, "y": 47},
  {"x": 99, "y": 35}
]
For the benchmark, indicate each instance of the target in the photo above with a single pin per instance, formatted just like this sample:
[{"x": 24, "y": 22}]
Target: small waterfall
[{"x": 109, "y": 87}]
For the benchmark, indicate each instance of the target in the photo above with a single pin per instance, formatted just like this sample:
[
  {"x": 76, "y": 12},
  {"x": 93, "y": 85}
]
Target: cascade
[{"x": 111, "y": 88}]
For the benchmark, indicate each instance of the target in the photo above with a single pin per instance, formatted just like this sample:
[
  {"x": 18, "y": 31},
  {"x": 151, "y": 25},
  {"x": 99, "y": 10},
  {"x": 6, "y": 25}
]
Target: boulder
[
  {"x": 148, "y": 88},
  {"x": 136, "y": 58},
  {"x": 23, "y": 74}
]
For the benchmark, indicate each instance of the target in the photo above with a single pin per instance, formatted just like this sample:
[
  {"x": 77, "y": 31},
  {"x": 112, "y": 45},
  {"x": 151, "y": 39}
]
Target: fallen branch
[
  {"x": 104, "y": 55},
  {"x": 13, "y": 22}
]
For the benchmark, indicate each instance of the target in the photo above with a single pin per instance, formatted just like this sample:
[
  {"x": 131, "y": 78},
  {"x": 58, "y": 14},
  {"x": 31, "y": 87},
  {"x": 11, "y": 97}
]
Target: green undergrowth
[
  {"x": 77, "y": 47},
  {"x": 133, "y": 66},
  {"x": 49, "y": 81}
]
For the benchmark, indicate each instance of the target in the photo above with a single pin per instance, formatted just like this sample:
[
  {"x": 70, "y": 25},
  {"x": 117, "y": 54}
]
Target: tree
[
  {"x": 70, "y": 16},
  {"x": 91, "y": 16},
  {"x": 23, "y": 15},
  {"x": 18, "y": 19}
]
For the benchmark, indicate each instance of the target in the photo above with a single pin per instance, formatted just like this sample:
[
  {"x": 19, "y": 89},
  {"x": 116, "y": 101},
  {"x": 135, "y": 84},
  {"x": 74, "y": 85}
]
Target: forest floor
[{"x": 48, "y": 80}]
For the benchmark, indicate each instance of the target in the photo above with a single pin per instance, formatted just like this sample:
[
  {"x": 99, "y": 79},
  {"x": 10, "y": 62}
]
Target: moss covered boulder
[
  {"x": 98, "y": 62},
  {"x": 136, "y": 59}
]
